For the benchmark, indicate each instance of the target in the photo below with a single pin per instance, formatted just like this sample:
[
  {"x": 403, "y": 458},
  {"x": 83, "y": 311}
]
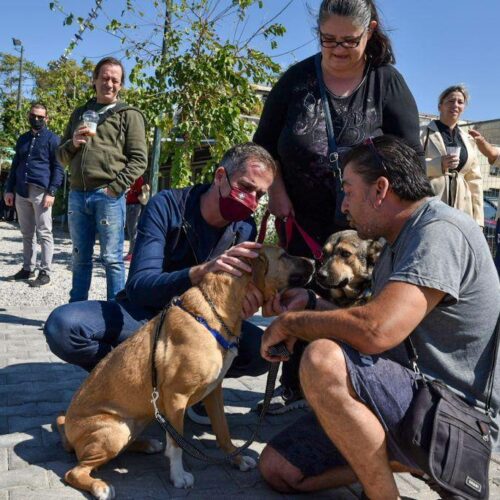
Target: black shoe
[
  {"x": 43, "y": 279},
  {"x": 198, "y": 414},
  {"x": 22, "y": 275},
  {"x": 284, "y": 400}
]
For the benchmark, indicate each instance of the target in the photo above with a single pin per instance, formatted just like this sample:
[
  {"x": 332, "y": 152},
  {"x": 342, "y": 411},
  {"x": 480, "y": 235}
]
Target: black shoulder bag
[{"x": 448, "y": 438}]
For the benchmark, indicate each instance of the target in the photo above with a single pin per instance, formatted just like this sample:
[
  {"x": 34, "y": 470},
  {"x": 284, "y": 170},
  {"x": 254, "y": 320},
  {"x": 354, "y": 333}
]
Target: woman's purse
[{"x": 449, "y": 439}]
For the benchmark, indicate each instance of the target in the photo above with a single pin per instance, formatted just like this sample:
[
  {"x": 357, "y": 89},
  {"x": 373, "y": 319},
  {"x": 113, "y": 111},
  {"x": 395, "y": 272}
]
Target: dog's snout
[
  {"x": 310, "y": 265},
  {"x": 322, "y": 273},
  {"x": 303, "y": 272},
  {"x": 298, "y": 279},
  {"x": 343, "y": 283}
]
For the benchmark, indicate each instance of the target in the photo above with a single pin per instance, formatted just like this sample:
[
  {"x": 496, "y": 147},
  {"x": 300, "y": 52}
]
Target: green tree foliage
[
  {"x": 9, "y": 74},
  {"x": 12, "y": 121},
  {"x": 200, "y": 91},
  {"x": 63, "y": 86}
]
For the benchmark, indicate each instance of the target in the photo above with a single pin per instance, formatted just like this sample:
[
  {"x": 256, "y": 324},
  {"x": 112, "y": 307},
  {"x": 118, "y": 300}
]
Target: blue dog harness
[{"x": 176, "y": 301}]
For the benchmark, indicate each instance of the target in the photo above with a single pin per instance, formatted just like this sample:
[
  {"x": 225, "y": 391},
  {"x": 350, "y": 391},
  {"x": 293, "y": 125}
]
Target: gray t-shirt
[{"x": 444, "y": 249}]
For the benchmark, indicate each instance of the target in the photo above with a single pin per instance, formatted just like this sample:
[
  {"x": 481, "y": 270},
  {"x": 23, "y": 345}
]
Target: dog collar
[{"x": 217, "y": 335}]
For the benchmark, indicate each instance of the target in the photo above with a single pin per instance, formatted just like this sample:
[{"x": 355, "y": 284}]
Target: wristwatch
[{"x": 311, "y": 300}]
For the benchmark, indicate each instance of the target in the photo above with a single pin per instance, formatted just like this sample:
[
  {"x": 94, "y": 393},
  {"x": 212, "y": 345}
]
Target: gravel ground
[{"x": 19, "y": 293}]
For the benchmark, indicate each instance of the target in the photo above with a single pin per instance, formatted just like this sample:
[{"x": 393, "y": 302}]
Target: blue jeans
[
  {"x": 83, "y": 333},
  {"x": 91, "y": 212}
]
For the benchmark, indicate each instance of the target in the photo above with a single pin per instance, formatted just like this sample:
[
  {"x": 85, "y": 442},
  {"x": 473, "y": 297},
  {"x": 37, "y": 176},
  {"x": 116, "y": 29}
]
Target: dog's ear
[
  {"x": 373, "y": 252},
  {"x": 260, "y": 266},
  {"x": 328, "y": 247}
]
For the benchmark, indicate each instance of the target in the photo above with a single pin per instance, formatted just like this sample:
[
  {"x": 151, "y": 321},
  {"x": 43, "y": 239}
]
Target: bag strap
[
  {"x": 333, "y": 155},
  {"x": 413, "y": 357},
  {"x": 426, "y": 140},
  {"x": 491, "y": 377}
]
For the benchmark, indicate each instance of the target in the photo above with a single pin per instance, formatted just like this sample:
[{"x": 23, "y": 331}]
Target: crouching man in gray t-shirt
[{"x": 435, "y": 278}]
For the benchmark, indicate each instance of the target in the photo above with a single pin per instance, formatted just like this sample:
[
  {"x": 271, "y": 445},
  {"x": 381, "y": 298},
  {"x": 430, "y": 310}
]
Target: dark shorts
[{"x": 383, "y": 385}]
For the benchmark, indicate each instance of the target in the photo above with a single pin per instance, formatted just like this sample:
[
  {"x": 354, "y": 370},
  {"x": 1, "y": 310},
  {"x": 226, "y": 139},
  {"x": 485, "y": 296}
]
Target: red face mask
[{"x": 237, "y": 205}]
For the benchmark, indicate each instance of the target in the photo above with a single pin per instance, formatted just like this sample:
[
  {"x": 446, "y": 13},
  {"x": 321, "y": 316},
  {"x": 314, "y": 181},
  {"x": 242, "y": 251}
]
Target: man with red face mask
[{"x": 183, "y": 234}]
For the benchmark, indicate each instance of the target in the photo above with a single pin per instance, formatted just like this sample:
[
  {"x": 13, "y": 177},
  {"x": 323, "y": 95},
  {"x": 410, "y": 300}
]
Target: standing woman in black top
[{"x": 366, "y": 97}]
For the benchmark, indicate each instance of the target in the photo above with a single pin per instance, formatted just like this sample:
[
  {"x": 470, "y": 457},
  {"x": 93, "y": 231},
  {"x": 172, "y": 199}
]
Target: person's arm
[
  {"x": 147, "y": 284},
  {"x": 380, "y": 325},
  {"x": 491, "y": 152},
  {"x": 295, "y": 299},
  {"x": 56, "y": 173},
  {"x": 267, "y": 135},
  {"x": 56, "y": 169},
  {"x": 67, "y": 150},
  {"x": 429, "y": 264},
  {"x": 400, "y": 114},
  {"x": 136, "y": 151}
]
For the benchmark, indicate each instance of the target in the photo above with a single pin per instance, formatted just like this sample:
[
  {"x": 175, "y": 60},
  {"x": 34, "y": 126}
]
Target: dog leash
[
  {"x": 229, "y": 333},
  {"x": 181, "y": 441},
  {"x": 289, "y": 224}
]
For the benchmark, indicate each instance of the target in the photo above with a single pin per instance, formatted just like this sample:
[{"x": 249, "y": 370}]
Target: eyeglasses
[
  {"x": 330, "y": 43},
  {"x": 378, "y": 158}
]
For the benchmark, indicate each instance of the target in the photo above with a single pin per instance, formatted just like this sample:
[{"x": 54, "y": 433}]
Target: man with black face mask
[
  {"x": 182, "y": 235},
  {"x": 34, "y": 177}
]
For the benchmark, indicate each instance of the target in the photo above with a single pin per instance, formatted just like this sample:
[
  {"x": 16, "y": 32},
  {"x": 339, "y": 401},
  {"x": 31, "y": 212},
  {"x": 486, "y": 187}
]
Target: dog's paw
[
  {"x": 103, "y": 491},
  {"x": 247, "y": 463},
  {"x": 153, "y": 446},
  {"x": 182, "y": 479}
]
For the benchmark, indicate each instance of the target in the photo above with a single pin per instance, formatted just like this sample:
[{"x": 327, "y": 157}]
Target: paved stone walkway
[{"x": 35, "y": 386}]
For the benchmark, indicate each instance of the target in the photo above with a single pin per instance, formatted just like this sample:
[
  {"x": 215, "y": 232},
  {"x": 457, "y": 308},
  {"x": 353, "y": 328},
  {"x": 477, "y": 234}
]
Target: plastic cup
[
  {"x": 90, "y": 120},
  {"x": 453, "y": 150}
]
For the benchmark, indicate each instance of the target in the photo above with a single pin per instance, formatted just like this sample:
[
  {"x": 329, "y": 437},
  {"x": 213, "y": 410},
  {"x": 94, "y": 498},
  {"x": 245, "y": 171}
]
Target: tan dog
[
  {"x": 113, "y": 405},
  {"x": 347, "y": 268}
]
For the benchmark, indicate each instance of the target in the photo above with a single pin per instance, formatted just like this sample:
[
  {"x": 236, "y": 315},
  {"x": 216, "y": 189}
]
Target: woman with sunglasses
[
  {"x": 364, "y": 95},
  {"x": 452, "y": 157}
]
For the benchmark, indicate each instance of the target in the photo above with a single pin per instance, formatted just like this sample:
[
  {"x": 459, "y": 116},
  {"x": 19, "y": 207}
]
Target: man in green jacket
[{"x": 104, "y": 161}]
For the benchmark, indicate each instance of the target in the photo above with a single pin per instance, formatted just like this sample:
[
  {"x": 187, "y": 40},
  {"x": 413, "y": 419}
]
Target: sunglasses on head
[{"x": 378, "y": 158}]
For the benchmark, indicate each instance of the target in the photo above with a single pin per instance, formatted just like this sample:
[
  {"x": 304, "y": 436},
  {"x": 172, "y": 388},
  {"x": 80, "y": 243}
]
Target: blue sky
[{"x": 437, "y": 42}]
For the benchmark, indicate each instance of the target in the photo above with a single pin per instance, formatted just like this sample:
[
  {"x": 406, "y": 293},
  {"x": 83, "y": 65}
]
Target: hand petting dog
[
  {"x": 231, "y": 261},
  {"x": 293, "y": 299},
  {"x": 345, "y": 275}
]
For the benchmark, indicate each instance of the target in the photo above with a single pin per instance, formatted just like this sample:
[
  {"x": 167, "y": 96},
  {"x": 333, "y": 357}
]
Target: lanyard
[{"x": 333, "y": 155}]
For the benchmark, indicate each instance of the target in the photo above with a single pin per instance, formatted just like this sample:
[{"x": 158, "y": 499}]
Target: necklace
[
  {"x": 335, "y": 96},
  {"x": 365, "y": 74}
]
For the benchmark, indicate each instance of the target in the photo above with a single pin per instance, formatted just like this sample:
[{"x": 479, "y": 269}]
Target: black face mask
[{"x": 37, "y": 123}]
